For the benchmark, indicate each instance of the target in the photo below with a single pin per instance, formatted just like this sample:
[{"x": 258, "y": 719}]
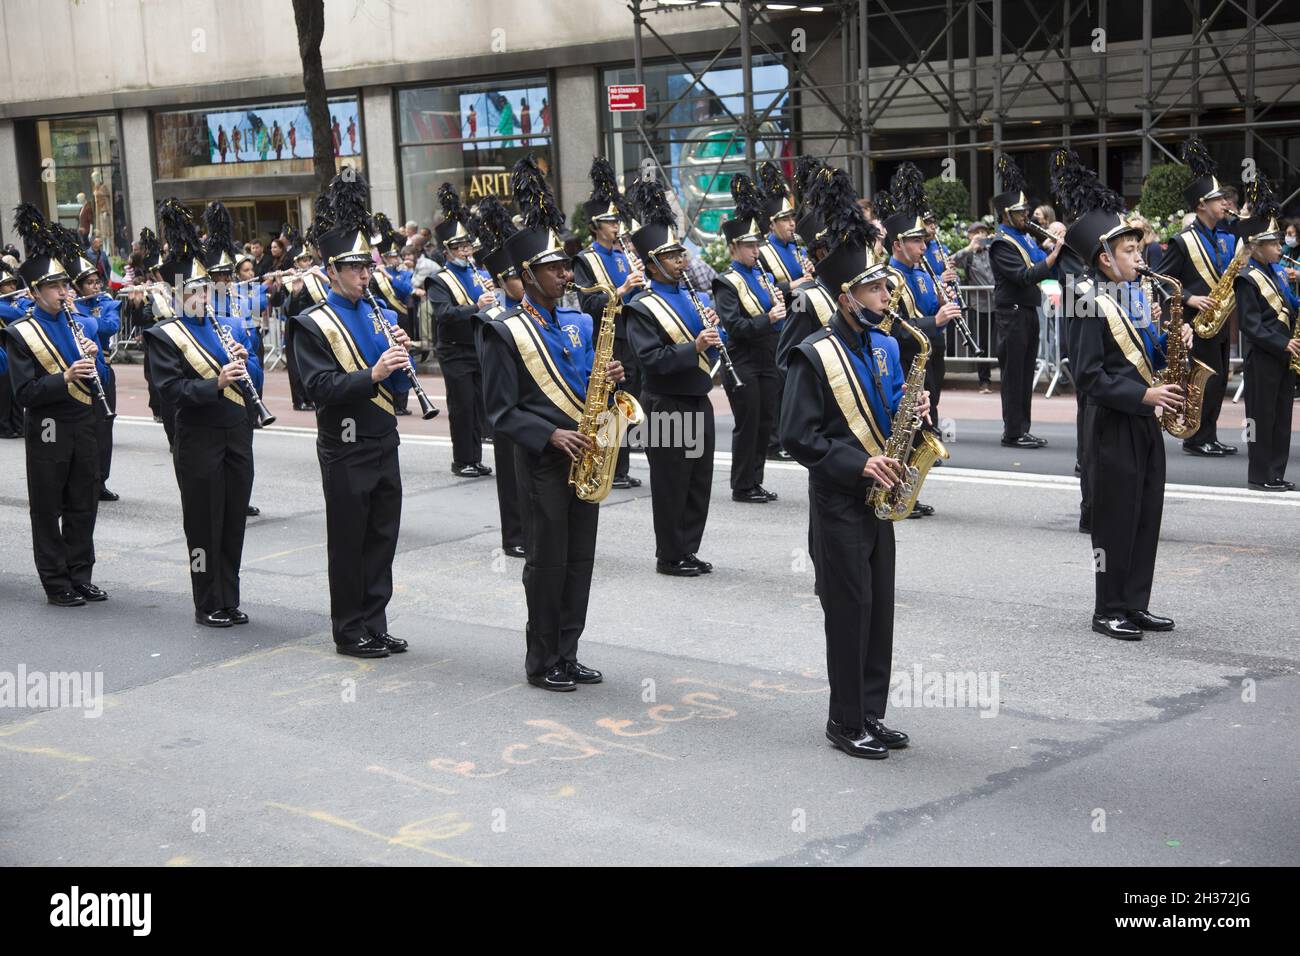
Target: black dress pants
[
  {"x": 1128, "y": 494},
  {"x": 508, "y": 501},
  {"x": 1017, "y": 356},
  {"x": 104, "y": 428},
  {"x": 1214, "y": 353},
  {"x": 854, "y": 558},
  {"x": 681, "y": 439},
  {"x": 754, "y": 412},
  {"x": 63, "y": 498},
  {"x": 11, "y": 413},
  {"x": 362, "y": 481},
  {"x": 624, "y": 353},
  {"x": 560, "y": 538},
  {"x": 214, "y": 468},
  {"x": 463, "y": 380},
  {"x": 1270, "y": 393}
]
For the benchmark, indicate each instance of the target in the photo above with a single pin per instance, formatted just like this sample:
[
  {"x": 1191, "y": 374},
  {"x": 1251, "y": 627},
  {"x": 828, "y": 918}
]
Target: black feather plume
[
  {"x": 1064, "y": 180},
  {"x": 1263, "y": 201},
  {"x": 149, "y": 245},
  {"x": 805, "y": 168},
  {"x": 604, "y": 183},
  {"x": 771, "y": 182},
  {"x": 884, "y": 203},
  {"x": 533, "y": 194},
  {"x": 383, "y": 228},
  {"x": 1198, "y": 157},
  {"x": 495, "y": 222},
  {"x": 216, "y": 217},
  {"x": 38, "y": 240},
  {"x": 179, "y": 230},
  {"x": 1013, "y": 180},
  {"x": 69, "y": 246},
  {"x": 1091, "y": 196},
  {"x": 453, "y": 210},
  {"x": 834, "y": 199},
  {"x": 350, "y": 202},
  {"x": 749, "y": 201},
  {"x": 908, "y": 189},
  {"x": 650, "y": 202},
  {"x": 322, "y": 218}
]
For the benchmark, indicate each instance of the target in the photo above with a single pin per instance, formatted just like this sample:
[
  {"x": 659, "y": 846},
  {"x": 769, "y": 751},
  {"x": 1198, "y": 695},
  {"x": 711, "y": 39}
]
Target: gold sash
[
  {"x": 203, "y": 362},
  {"x": 315, "y": 286},
  {"x": 457, "y": 290},
  {"x": 598, "y": 271},
  {"x": 743, "y": 291},
  {"x": 1200, "y": 261},
  {"x": 1269, "y": 291},
  {"x": 389, "y": 293},
  {"x": 908, "y": 297},
  {"x": 345, "y": 350},
  {"x": 673, "y": 325},
  {"x": 769, "y": 257},
  {"x": 45, "y": 352},
  {"x": 849, "y": 396},
  {"x": 823, "y": 305},
  {"x": 537, "y": 360},
  {"x": 1128, "y": 338},
  {"x": 1029, "y": 263}
]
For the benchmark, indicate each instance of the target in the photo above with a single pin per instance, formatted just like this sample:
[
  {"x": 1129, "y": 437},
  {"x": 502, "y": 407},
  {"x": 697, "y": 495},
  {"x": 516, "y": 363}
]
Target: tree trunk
[{"x": 309, "y": 17}]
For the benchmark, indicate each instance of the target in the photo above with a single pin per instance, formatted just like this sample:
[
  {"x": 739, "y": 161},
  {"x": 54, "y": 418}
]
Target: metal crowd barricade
[{"x": 979, "y": 316}]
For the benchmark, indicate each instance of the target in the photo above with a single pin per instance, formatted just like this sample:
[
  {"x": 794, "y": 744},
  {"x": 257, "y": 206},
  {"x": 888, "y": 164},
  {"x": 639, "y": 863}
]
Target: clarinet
[
  {"x": 722, "y": 346},
  {"x": 951, "y": 293},
  {"x": 427, "y": 409},
  {"x": 249, "y": 390},
  {"x": 96, "y": 384},
  {"x": 485, "y": 280}
]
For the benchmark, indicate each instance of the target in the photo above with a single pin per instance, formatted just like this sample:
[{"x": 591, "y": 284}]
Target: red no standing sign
[{"x": 627, "y": 98}]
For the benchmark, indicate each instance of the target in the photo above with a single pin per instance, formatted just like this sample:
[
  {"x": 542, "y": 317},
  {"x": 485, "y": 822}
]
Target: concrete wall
[{"x": 9, "y": 192}]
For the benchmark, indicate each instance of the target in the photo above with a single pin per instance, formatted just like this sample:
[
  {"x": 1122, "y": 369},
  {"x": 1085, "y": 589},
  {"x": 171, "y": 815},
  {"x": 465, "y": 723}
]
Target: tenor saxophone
[
  {"x": 1223, "y": 300},
  {"x": 592, "y": 473},
  {"x": 1190, "y": 374},
  {"x": 896, "y": 503}
]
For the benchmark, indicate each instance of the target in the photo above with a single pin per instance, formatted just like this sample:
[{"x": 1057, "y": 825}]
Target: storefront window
[
  {"x": 470, "y": 135},
  {"x": 695, "y": 137},
  {"x": 262, "y": 139},
  {"x": 83, "y": 178}
]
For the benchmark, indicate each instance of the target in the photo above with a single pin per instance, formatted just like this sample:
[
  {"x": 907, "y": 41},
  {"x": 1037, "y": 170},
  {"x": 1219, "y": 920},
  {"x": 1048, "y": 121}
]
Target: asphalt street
[{"x": 1034, "y": 740}]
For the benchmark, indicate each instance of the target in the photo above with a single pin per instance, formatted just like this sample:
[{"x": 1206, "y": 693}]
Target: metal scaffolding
[{"x": 897, "y": 56}]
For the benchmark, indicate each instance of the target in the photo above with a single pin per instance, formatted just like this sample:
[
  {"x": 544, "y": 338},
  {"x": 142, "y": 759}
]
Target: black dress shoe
[
  {"x": 678, "y": 569},
  {"x": 1271, "y": 485},
  {"x": 1204, "y": 450},
  {"x": 1024, "y": 441},
  {"x": 893, "y": 739},
  {"x": 753, "y": 495},
  {"x": 1150, "y": 622},
  {"x": 581, "y": 674},
  {"x": 1290, "y": 485},
  {"x": 557, "y": 678},
  {"x": 923, "y": 509},
  {"x": 370, "y": 647},
  {"x": 704, "y": 566},
  {"x": 9, "y": 434},
  {"x": 626, "y": 481},
  {"x": 778, "y": 454},
  {"x": 483, "y": 469},
  {"x": 235, "y": 615},
  {"x": 855, "y": 743},
  {"x": 466, "y": 471},
  {"x": 90, "y": 592},
  {"x": 216, "y": 618},
  {"x": 770, "y": 495},
  {"x": 1040, "y": 442},
  {"x": 395, "y": 645},
  {"x": 252, "y": 511},
  {"x": 106, "y": 495},
  {"x": 402, "y": 411},
  {"x": 1226, "y": 449},
  {"x": 301, "y": 407},
  {"x": 1119, "y": 628},
  {"x": 515, "y": 551},
  {"x": 66, "y": 599}
]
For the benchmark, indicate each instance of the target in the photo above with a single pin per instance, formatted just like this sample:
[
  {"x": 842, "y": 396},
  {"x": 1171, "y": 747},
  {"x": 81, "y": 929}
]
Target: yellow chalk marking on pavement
[
  {"x": 48, "y": 752},
  {"x": 566, "y": 791},
  {"x": 179, "y": 861},
  {"x": 403, "y": 778},
  {"x": 12, "y": 729},
  {"x": 412, "y": 836},
  {"x": 285, "y": 554}
]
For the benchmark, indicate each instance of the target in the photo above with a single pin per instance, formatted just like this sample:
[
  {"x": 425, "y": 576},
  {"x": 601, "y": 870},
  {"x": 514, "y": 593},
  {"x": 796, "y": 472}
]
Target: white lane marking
[{"x": 948, "y": 473}]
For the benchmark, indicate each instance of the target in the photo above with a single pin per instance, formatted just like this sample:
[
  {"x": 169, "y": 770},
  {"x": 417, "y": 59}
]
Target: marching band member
[
  {"x": 496, "y": 229},
  {"x": 812, "y": 306},
  {"x": 537, "y": 364},
  {"x": 350, "y": 371},
  {"x": 1197, "y": 258},
  {"x": 1267, "y": 309},
  {"x": 393, "y": 288},
  {"x": 200, "y": 378},
  {"x": 12, "y": 308},
  {"x": 842, "y": 386},
  {"x": 53, "y": 381},
  {"x": 1018, "y": 266},
  {"x": 1118, "y": 351},
  {"x": 303, "y": 290},
  {"x": 456, "y": 295},
  {"x": 604, "y": 263},
  {"x": 99, "y": 315},
  {"x": 751, "y": 310},
  {"x": 779, "y": 255},
  {"x": 675, "y": 336}
]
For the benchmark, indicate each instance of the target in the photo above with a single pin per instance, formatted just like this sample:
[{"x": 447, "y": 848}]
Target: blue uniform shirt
[
  {"x": 361, "y": 323},
  {"x": 888, "y": 369},
  {"x": 923, "y": 290},
  {"x": 789, "y": 254}
]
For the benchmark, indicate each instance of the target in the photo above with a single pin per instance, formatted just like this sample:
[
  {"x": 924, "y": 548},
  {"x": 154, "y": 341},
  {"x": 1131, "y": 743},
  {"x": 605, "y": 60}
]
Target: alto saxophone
[
  {"x": 896, "y": 503},
  {"x": 592, "y": 472},
  {"x": 1190, "y": 374},
  {"x": 1223, "y": 300}
]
